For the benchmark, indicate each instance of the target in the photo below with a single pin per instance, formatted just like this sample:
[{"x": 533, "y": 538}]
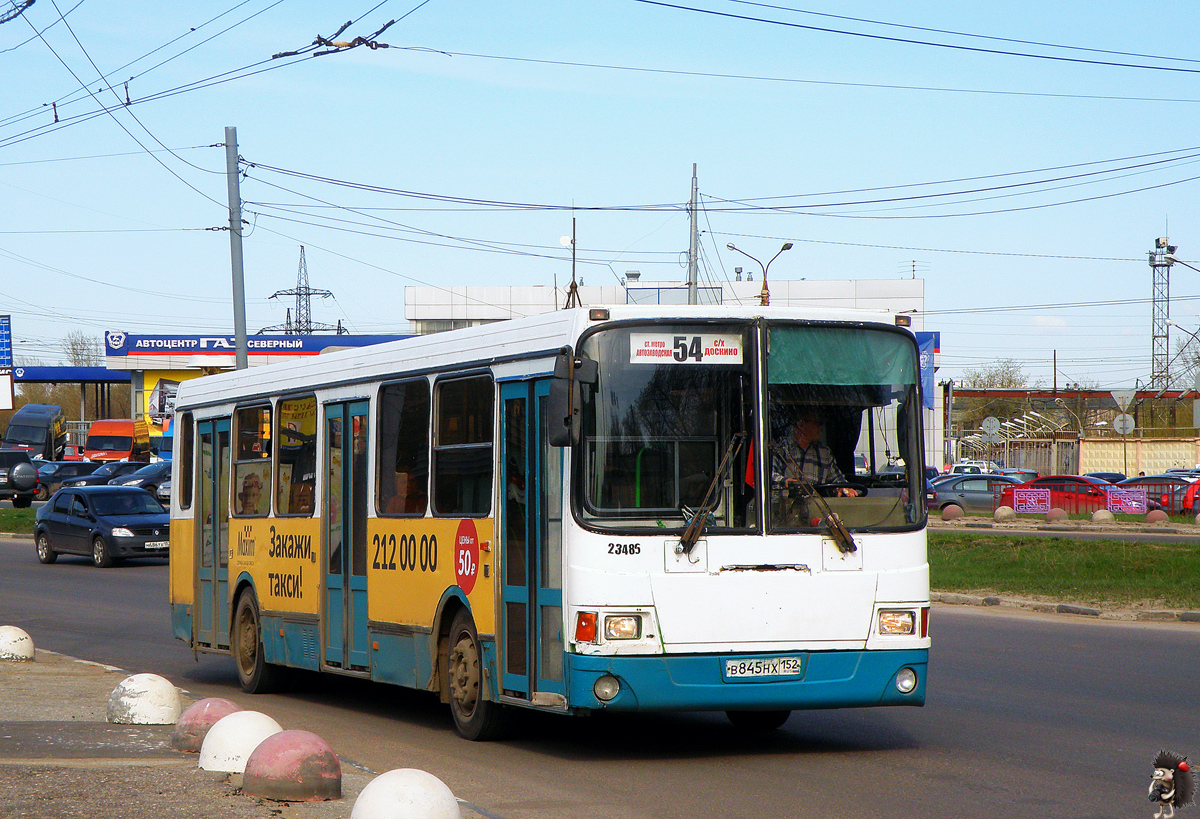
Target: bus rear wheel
[
  {"x": 255, "y": 674},
  {"x": 758, "y": 720},
  {"x": 474, "y": 717}
]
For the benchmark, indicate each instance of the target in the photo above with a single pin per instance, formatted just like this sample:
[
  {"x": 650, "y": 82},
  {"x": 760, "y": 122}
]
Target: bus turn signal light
[{"x": 585, "y": 627}]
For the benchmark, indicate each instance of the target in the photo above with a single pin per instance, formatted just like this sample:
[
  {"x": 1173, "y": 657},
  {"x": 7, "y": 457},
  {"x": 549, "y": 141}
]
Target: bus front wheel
[
  {"x": 474, "y": 717},
  {"x": 255, "y": 674}
]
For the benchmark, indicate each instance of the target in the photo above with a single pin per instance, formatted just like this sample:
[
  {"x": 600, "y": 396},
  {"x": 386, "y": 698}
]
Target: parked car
[
  {"x": 1166, "y": 492},
  {"x": 38, "y": 429},
  {"x": 973, "y": 493},
  {"x": 1023, "y": 474},
  {"x": 149, "y": 477},
  {"x": 18, "y": 478},
  {"x": 41, "y": 490},
  {"x": 51, "y": 474},
  {"x": 1073, "y": 493},
  {"x": 1188, "y": 502},
  {"x": 103, "y": 473},
  {"x": 104, "y": 522},
  {"x": 163, "y": 493},
  {"x": 1111, "y": 477}
]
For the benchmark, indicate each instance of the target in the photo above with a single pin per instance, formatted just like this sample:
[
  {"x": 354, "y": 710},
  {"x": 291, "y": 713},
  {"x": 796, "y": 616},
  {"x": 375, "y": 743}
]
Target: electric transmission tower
[{"x": 303, "y": 324}]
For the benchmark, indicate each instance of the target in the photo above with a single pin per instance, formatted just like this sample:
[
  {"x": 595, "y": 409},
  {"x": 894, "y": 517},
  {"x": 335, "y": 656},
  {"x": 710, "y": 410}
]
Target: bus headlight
[
  {"x": 897, "y": 622},
  {"x": 606, "y": 688},
  {"x": 622, "y": 627},
  {"x": 906, "y": 680}
]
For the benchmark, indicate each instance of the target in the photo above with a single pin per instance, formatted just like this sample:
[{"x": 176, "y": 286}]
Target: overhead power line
[
  {"x": 928, "y": 43},
  {"x": 962, "y": 33}
]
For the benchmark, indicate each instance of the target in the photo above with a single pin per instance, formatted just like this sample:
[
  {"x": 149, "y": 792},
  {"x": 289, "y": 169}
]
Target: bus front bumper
[{"x": 702, "y": 682}]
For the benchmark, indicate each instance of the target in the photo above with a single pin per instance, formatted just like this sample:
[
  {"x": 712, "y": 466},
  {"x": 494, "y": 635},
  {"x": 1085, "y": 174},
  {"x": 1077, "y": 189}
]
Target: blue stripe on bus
[{"x": 831, "y": 679}]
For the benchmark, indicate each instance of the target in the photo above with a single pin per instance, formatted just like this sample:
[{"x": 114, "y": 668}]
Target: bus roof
[{"x": 537, "y": 336}]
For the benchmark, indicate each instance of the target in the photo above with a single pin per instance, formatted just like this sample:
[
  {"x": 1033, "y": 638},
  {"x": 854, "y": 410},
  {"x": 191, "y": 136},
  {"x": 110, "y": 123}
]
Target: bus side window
[
  {"x": 296, "y": 444},
  {"x": 183, "y": 431},
  {"x": 403, "y": 468},
  {"x": 462, "y": 451},
  {"x": 252, "y": 467}
]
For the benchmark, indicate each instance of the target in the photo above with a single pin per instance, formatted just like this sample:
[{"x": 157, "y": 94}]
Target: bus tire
[
  {"x": 44, "y": 552},
  {"x": 101, "y": 556},
  {"x": 758, "y": 720},
  {"x": 255, "y": 674},
  {"x": 475, "y": 718}
]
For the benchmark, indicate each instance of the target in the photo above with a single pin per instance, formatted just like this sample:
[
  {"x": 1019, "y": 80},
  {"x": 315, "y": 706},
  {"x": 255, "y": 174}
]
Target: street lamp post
[
  {"x": 764, "y": 295},
  {"x": 1173, "y": 259},
  {"x": 1063, "y": 404}
]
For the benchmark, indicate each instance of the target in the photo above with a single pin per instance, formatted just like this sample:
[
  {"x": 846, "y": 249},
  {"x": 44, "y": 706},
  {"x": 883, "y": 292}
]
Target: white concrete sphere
[
  {"x": 1004, "y": 514},
  {"x": 1103, "y": 516},
  {"x": 231, "y": 740},
  {"x": 144, "y": 699},
  {"x": 15, "y": 644},
  {"x": 405, "y": 793}
]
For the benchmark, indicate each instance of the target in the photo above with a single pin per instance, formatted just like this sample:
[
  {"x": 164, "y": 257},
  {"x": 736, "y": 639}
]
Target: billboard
[{"x": 6, "y": 363}]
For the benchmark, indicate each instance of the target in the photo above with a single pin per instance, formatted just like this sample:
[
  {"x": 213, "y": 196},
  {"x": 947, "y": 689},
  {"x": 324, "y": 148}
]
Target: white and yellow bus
[{"x": 572, "y": 512}]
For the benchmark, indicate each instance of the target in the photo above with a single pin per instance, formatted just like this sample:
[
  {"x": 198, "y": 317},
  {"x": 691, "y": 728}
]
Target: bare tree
[
  {"x": 1006, "y": 373},
  {"x": 82, "y": 350}
]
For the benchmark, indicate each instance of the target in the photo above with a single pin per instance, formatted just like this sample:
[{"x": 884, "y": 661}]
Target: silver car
[{"x": 975, "y": 494}]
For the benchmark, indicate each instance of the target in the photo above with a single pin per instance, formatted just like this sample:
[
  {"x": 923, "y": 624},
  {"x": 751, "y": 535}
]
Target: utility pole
[
  {"x": 573, "y": 290},
  {"x": 694, "y": 244},
  {"x": 235, "y": 247}
]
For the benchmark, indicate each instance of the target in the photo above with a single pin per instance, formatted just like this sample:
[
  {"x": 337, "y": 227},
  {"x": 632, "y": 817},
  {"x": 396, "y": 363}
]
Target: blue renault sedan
[{"x": 106, "y": 523}]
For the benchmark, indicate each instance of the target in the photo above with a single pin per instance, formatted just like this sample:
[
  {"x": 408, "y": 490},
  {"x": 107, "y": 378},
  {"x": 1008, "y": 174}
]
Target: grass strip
[
  {"x": 19, "y": 521},
  {"x": 1093, "y": 572}
]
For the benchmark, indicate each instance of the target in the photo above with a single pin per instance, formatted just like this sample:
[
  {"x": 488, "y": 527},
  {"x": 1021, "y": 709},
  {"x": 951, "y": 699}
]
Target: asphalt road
[{"x": 1026, "y": 715}]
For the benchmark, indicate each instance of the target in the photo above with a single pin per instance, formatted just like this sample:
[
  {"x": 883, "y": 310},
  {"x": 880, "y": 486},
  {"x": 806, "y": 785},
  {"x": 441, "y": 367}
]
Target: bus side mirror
[{"x": 566, "y": 397}]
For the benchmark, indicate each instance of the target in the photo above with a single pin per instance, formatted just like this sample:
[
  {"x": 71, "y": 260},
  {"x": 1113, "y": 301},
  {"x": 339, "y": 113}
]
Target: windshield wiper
[
  {"x": 699, "y": 520},
  {"x": 837, "y": 529}
]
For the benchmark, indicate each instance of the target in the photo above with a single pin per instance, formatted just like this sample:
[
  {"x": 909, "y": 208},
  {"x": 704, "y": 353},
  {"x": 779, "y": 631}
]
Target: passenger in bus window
[
  {"x": 251, "y": 495},
  {"x": 302, "y": 498},
  {"x": 801, "y": 452}
]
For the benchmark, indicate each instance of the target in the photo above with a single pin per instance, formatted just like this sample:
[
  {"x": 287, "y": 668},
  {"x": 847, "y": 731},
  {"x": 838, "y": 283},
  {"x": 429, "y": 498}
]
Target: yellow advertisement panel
[
  {"x": 282, "y": 555},
  {"x": 411, "y": 562},
  {"x": 158, "y": 394}
]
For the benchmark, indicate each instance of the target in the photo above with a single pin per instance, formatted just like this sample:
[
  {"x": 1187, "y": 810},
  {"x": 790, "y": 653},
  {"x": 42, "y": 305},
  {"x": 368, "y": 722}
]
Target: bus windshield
[
  {"x": 843, "y": 417},
  {"x": 670, "y": 402}
]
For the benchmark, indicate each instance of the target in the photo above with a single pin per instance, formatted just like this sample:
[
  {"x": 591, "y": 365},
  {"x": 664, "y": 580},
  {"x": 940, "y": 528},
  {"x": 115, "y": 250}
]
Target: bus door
[
  {"x": 531, "y": 548},
  {"x": 345, "y": 511},
  {"x": 212, "y": 487}
]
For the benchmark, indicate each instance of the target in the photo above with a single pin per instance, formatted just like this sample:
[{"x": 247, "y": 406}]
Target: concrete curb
[{"x": 1049, "y": 607}]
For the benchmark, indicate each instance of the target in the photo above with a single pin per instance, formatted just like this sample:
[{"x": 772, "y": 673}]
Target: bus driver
[{"x": 801, "y": 452}]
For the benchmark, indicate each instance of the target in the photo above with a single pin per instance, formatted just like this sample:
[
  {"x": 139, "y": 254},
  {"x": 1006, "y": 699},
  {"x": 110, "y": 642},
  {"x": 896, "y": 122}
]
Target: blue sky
[{"x": 597, "y": 111}]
